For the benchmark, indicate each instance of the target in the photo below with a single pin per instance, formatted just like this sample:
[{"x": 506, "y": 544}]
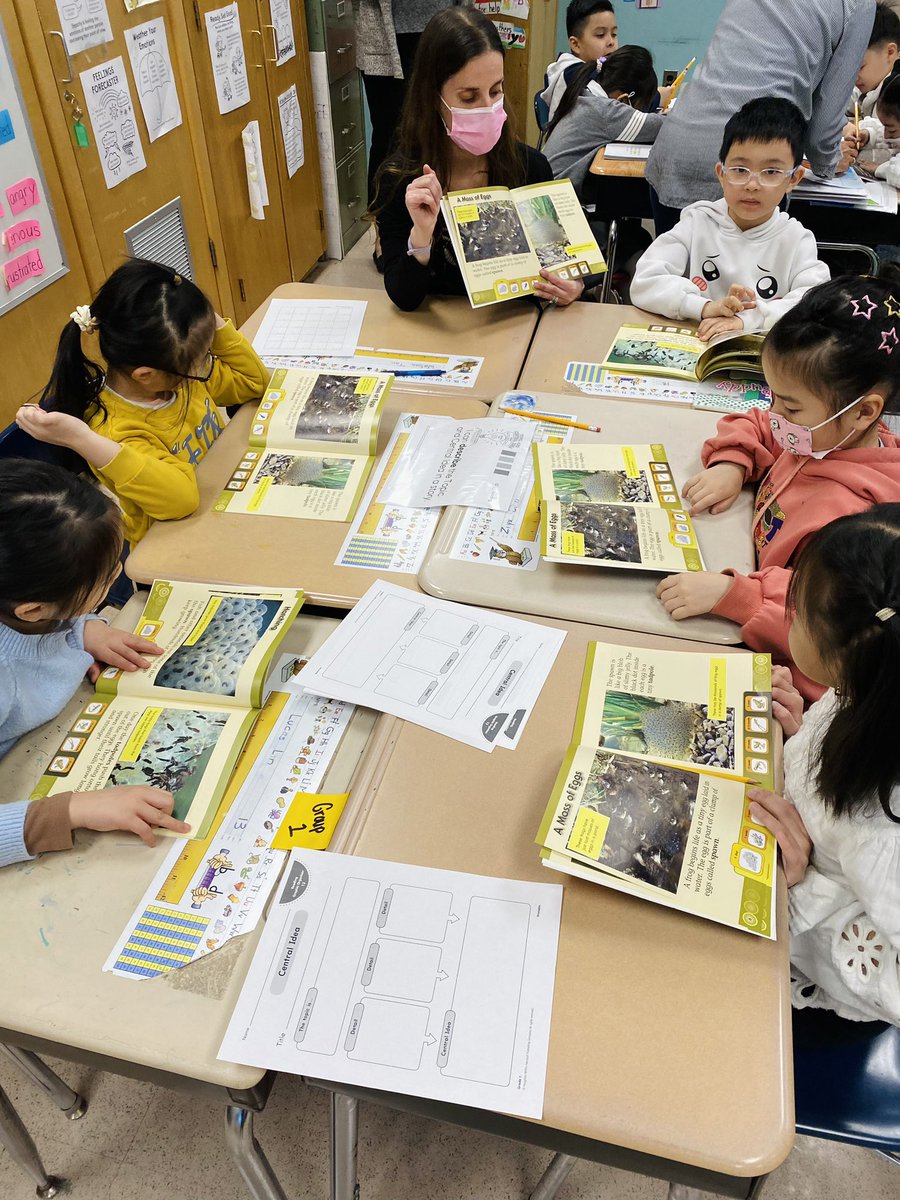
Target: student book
[
  {"x": 312, "y": 446},
  {"x": 651, "y": 798},
  {"x": 502, "y": 238},
  {"x": 613, "y": 506},
  {"x": 179, "y": 724},
  {"x": 673, "y": 350}
]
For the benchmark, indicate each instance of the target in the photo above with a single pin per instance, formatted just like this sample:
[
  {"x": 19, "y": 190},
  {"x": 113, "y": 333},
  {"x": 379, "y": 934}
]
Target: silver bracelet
[{"x": 415, "y": 251}]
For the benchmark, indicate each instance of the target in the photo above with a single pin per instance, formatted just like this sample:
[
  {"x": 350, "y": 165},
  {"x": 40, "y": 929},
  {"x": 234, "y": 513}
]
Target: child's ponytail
[
  {"x": 76, "y": 382},
  {"x": 846, "y": 591},
  {"x": 628, "y": 69}
]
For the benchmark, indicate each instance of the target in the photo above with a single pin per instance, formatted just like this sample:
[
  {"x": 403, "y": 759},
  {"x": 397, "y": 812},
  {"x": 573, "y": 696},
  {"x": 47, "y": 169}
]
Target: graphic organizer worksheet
[{"x": 431, "y": 983}]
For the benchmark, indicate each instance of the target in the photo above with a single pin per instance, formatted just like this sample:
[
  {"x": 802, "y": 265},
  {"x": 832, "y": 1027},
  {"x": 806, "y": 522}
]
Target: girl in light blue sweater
[{"x": 60, "y": 545}]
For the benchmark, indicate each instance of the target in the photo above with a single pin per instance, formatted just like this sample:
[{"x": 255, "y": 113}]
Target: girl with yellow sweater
[{"x": 144, "y": 422}]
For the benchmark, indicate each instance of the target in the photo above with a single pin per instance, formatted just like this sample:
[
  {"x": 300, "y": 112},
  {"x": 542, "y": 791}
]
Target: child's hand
[
  {"x": 56, "y": 428},
  {"x": 665, "y": 95},
  {"x": 715, "y": 488},
  {"x": 116, "y": 648},
  {"x": 558, "y": 291},
  {"x": 781, "y": 818},
  {"x": 787, "y": 703},
  {"x": 135, "y": 809},
  {"x": 711, "y": 327},
  {"x": 692, "y": 594}
]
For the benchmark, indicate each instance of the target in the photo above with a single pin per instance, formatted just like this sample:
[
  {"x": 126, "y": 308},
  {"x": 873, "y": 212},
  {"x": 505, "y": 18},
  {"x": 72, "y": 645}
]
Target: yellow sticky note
[
  {"x": 573, "y": 543},
  {"x": 588, "y": 833},
  {"x": 718, "y": 668},
  {"x": 310, "y": 821},
  {"x": 465, "y": 213}
]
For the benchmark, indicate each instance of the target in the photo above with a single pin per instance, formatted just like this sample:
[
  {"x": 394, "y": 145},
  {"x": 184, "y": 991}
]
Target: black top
[{"x": 408, "y": 281}]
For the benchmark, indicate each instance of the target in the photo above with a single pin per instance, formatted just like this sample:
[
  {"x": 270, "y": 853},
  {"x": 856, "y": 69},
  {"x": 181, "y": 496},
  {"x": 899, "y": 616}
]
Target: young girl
[
  {"x": 454, "y": 136},
  {"x": 838, "y": 824},
  {"x": 144, "y": 422},
  {"x": 60, "y": 542},
  {"x": 820, "y": 453},
  {"x": 584, "y": 120},
  {"x": 880, "y": 135}
]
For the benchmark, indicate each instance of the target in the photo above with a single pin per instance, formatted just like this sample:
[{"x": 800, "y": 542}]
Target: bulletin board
[{"x": 31, "y": 251}]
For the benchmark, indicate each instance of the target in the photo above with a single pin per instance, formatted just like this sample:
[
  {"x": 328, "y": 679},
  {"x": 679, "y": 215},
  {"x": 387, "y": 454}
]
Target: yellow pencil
[
  {"x": 856, "y": 119},
  {"x": 677, "y": 82},
  {"x": 551, "y": 420}
]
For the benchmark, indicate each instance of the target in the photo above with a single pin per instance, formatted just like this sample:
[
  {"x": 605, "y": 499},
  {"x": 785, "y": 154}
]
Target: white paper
[
  {"x": 257, "y": 189},
  {"x": 151, "y": 66},
  {"x": 844, "y": 186},
  {"x": 224, "y": 894},
  {"x": 107, "y": 99},
  {"x": 417, "y": 369},
  {"x": 476, "y": 463},
  {"x": 226, "y": 53},
  {"x": 426, "y": 982},
  {"x": 469, "y": 673},
  {"x": 510, "y": 539},
  {"x": 395, "y": 538},
  {"x": 283, "y": 24},
  {"x": 293, "y": 327},
  {"x": 626, "y": 150},
  {"x": 84, "y": 23},
  {"x": 291, "y": 129},
  {"x": 880, "y": 196}
]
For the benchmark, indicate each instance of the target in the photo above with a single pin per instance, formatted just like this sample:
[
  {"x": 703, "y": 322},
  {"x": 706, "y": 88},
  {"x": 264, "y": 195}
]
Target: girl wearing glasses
[
  {"x": 738, "y": 263},
  {"x": 144, "y": 420}
]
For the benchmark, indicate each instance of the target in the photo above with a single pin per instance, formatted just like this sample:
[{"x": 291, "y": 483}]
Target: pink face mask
[
  {"x": 797, "y": 439},
  {"x": 476, "y": 130}
]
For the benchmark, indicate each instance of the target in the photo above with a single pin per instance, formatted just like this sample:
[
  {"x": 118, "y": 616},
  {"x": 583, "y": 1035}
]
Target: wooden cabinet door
[
  {"x": 29, "y": 331},
  {"x": 171, "y": 169},
  {"x": 256, "y": 251},
  {"x": 302, "y": 192}
]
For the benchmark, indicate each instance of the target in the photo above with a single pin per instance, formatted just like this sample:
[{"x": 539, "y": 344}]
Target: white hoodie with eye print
[{"x": 706, "y": 253}]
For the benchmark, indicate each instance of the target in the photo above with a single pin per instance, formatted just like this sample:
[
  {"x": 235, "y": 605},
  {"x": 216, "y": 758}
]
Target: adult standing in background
[
  {"x": 387, "y": 34},
  {"x": 807, "y": 51}
]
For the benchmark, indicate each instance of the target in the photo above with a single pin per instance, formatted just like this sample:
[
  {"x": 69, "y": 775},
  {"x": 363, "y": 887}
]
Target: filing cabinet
[{"x": 340, "y": 123}]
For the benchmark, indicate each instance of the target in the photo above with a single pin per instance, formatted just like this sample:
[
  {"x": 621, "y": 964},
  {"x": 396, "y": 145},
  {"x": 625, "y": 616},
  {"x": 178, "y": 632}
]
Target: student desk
[
  {"x": 670, "y": 1046},
  {"x": 270, "y": 551},
  {"x": 62, "y": 915},
  {"x": 599, "y": 595},
  {"x": 618, "y": 188},
  {"x": 500, "y": 334}
]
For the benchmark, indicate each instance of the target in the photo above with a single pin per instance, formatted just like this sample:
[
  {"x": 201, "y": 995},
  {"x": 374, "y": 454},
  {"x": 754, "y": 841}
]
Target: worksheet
[
  {"x": 418, "y": 369},
  {"x": 470, "y": 673},
  {"x": 475, "y": 463},
  {"x": 425, "y": 982},
  {"x": 294, "y": 327}
]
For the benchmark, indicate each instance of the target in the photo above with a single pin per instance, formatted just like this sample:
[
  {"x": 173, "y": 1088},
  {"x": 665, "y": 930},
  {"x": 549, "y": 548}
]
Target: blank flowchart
[{"x": 406, "y": 979}]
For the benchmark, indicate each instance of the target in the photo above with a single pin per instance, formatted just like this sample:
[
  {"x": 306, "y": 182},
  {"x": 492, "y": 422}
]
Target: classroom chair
[
  {"x": 846, "y": 1089},
  {"x": 15, "y": 1138},
  {"x": 867, "y": 254},
  {"x": 541, "y": 115}
]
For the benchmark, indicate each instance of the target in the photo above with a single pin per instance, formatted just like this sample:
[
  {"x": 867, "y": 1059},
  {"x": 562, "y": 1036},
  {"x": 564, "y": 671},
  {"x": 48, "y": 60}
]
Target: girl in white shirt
[{"x": 838, "y": 823}]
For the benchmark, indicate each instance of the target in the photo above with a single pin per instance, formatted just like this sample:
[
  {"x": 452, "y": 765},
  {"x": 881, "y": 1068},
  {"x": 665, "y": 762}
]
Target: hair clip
[
  {"x": 176, "y": 279},
  {"x": 885, "y": 614},
  {"x": 889, "y": 340},
  {"x": 892, "y": 306},
  {"x": 83, "y": 319},
  {"x": 601, "y": 60},
  {"x": 857, "y": 307}
]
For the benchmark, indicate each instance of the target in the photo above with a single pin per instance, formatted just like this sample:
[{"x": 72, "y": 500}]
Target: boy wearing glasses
[{"x": 738, "y": 263}]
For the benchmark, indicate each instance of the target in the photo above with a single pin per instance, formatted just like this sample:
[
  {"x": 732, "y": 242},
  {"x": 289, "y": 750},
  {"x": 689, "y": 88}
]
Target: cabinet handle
[
  {"x": 273, "y": 61},
  {"x": 348, "y": 129},
  {"x": 71, "y": 76},
  {"x": 258, "y": 33},
  {"x": 340, "y": 50}
]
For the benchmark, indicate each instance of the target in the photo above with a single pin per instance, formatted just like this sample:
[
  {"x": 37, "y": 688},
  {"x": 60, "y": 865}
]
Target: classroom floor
[{"x": 140, "y": 1142}]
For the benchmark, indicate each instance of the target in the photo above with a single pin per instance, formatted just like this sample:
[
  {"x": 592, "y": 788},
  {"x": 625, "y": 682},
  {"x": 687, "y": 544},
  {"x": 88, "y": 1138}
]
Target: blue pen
[{"x": 416, "y": 374}]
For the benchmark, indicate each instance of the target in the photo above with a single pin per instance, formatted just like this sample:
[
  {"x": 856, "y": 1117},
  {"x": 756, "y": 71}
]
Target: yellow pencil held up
[
  {"x": 551, "y": 420},
  {"x": 677, "y": 82}
]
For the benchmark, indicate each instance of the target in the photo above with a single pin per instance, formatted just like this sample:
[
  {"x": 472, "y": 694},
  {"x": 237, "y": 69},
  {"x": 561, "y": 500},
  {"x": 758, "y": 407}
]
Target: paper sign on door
[{"x": 20, "y": 269}]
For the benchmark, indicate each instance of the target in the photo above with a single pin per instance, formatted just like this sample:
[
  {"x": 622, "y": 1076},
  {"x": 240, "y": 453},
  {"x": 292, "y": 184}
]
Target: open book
[
  {"x": 180, "y": 724},
  {"x": 651, "y": 796},
  {"x": 613, "y": 506},
  {"x": 676, "y": 351},
  {"x": 312, "y": 446},
  {"x": 503, "y": 237}
]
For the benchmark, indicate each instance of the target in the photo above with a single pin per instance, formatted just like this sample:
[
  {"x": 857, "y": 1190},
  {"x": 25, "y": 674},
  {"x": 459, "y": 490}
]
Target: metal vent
[{"x": 162, "y": 238}]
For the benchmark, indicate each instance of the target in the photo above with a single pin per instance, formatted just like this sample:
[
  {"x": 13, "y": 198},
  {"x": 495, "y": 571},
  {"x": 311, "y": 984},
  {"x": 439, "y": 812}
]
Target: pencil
[
  {"x": 550, "y": 419},
  {"x": 856, "y": 120},
  {"x": 677, "y": 82},
  {"x": 416, "y": 374}
]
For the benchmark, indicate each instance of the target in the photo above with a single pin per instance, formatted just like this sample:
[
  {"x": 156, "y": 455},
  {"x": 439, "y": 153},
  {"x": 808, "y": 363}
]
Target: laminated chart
[{"x": 432, "y": 983}]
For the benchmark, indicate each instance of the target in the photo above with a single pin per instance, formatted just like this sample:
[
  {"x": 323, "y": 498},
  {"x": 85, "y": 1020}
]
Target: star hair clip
[
  {"x": 889, "y": 340},
  {"x": 83, "y": 319},
  {"x": 858, "y": 307},
  {"x": 892, "y": 306}
]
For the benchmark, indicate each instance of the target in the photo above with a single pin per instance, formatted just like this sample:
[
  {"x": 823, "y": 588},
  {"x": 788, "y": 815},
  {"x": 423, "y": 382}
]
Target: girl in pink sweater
[{"x": 821, "y": 452}]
